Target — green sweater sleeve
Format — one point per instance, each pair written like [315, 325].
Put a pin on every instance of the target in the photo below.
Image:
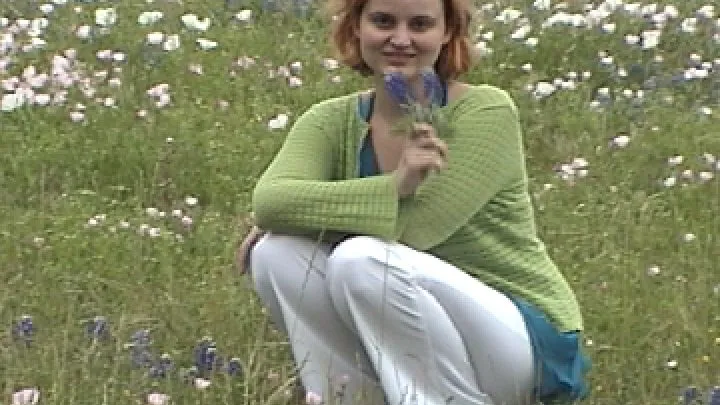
[485, 156]
[297, 191]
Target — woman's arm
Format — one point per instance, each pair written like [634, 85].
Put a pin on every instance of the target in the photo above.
[485, 157]
[297, 193]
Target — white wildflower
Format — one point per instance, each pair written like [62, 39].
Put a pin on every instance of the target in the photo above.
[77, 116]
[296, 67]
[172, 43]
[294, 81]
[105, 17]
[156, 398]
[201, 383]
[330, 64]
[47, 8]
[83, 32]
[669, 182]
[543, 90]
[11, 101]
[27, 396]
[206, 44]
[279, 122]
[705, 176]
[244, 16]
[149, 17]
[675, 160]
[653, 270]
[620, 141]
[192, 22]
[154, 38]
[191, 201]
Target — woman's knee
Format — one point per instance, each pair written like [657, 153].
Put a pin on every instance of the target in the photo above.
[271, 252]
[353, 265]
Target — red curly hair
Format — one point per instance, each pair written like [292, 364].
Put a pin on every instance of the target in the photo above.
[454, 59]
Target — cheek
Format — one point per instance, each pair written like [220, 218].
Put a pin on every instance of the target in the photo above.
[371, 38]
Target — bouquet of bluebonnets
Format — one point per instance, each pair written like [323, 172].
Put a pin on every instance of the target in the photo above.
[397, 86]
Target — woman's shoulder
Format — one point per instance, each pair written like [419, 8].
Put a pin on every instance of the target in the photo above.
[480, 95]
[335, 105]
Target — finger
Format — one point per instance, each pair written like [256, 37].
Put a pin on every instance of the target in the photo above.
[432, 144]
[422, 130]
[427, 159]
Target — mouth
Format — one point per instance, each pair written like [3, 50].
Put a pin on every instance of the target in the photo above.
[398, 58]
[398, 55]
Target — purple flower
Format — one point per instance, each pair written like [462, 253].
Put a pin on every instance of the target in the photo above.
[97, 328]
[433, 86]
[714, 396]
[141, 338]
[690, 394]
[140, 356]
[139, 345]
[397, 87]
[24, 329]
[162, 367]
[235, 367]
[206, 356]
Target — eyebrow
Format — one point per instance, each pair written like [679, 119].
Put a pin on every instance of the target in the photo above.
[385, 14]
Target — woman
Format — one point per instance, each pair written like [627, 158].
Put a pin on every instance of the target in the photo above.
[407, 269]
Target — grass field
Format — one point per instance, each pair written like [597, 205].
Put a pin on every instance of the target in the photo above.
[125, 172]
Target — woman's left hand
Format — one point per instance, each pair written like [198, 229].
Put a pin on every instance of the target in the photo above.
[242, 256]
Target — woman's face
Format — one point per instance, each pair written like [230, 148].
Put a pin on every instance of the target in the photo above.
[401, 35]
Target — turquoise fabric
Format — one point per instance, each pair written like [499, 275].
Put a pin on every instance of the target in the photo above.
[561, 365]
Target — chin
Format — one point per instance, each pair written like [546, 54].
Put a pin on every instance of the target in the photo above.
[409, 71]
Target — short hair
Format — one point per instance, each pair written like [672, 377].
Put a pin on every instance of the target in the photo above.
[455, 57]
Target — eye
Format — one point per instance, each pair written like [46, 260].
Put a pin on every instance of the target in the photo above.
[382, 20]
[421, 23]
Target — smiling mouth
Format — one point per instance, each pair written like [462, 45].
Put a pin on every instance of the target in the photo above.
[398, 55]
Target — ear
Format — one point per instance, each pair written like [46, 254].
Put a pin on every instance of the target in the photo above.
[447, 37]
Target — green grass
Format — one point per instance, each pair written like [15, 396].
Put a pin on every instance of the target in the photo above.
[604, 230]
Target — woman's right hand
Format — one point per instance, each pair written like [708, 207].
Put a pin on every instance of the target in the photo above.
[423, 153]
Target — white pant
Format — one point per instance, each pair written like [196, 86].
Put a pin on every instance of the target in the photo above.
[391, 324]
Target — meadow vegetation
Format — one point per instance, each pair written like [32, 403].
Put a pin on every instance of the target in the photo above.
[130, 143]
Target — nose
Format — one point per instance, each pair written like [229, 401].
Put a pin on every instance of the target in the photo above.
[400, 37]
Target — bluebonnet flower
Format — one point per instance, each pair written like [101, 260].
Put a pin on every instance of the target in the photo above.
[97, 328]
[206, 357]
[162, 367]
[24, 329]
[398, 88]
[235, 367]
[141, 338]
[139, 345]
[690, 395]
[714, 396]
[433, 86]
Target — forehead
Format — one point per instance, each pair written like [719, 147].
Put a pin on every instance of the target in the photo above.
[405, 7]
